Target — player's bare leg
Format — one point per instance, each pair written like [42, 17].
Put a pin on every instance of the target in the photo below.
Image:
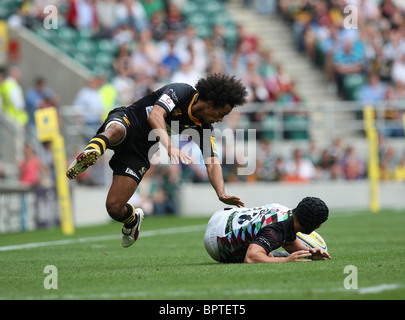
[95, 149]
[121, 190]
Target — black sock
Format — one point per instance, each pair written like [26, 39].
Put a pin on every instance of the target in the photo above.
[130, 219]
[99, 142]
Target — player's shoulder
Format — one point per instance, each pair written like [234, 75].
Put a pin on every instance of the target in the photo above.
[178, 88]
[276, 206]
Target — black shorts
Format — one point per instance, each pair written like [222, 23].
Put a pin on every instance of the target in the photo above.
[132, 155]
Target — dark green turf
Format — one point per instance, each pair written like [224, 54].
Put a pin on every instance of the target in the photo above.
[176, 266]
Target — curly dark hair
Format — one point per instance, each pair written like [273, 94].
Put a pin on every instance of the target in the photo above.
[221, 89]
[310, 213]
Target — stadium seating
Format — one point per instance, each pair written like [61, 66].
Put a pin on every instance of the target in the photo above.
[206, 14]
[8, 7]
[82, 46]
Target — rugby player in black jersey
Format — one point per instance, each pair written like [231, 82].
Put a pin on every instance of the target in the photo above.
[133, 131]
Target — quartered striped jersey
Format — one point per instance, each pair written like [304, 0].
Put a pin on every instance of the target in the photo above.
[242, 226]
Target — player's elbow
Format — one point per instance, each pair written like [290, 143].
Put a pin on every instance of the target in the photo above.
[156, 115]
[153, 118]
[253, 254]
[249, 259]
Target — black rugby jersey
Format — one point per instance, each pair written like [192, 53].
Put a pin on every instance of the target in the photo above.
[274, 235]
[176, 99]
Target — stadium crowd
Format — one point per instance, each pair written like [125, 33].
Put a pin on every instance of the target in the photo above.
[349, 38]
[156, 45]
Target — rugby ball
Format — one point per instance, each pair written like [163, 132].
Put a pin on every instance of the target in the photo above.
[312, 240]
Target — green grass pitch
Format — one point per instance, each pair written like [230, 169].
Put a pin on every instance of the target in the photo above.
[169, 262]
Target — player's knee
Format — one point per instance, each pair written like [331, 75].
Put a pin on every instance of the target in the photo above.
[116, 132]
[115, 210]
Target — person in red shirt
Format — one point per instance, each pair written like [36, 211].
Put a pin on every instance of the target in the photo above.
[30, 167]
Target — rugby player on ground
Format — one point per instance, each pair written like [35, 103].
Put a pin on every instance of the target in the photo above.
[251, 235]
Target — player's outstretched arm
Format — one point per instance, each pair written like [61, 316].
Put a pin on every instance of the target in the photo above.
[157, 122]
[214, 171]
[257, 254]
[293, 246]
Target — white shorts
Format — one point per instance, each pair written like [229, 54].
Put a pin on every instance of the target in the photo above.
[214, 228]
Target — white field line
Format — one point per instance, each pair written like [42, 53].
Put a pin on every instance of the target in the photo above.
[210, 293]
[149, 233]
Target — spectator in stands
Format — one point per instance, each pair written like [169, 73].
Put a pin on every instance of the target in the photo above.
[86, 15]
[122, 60]
[388, 164]
[193, 48]
[123, 82]
[368, 10]
[267, 67]
[278, 83]
[218, 40]
[13, 102]
[394, 45]
[30, 167]
[399, 91]
[82, 14]
[248, 44]
[108, 93]
[106, 21]
[166, 195]
[145, 57]
[373, 91]
[318, 28]
[398, 70]
[38, 97]
[353, 167]
[171, 60]
[279, 169]
[337, 150]
[89, 106]
[131, 12]
[124, 35]
[289, 96]
[393, 122]
[298, 168]
[236, 62]
[400, 170]
[387, 8]
[381, 65]
[175, 19]
[158, 25]
[254, 82]
[186, 74]
[328, 46]
[266, 159]
[327, 168]
[348, 60]
[19, 18]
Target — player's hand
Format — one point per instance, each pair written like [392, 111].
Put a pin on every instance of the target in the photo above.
[176, 155]
[319, 254]
[231, 200]
[300, 255]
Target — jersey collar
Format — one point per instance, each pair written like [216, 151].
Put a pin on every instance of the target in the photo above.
[194, 119]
